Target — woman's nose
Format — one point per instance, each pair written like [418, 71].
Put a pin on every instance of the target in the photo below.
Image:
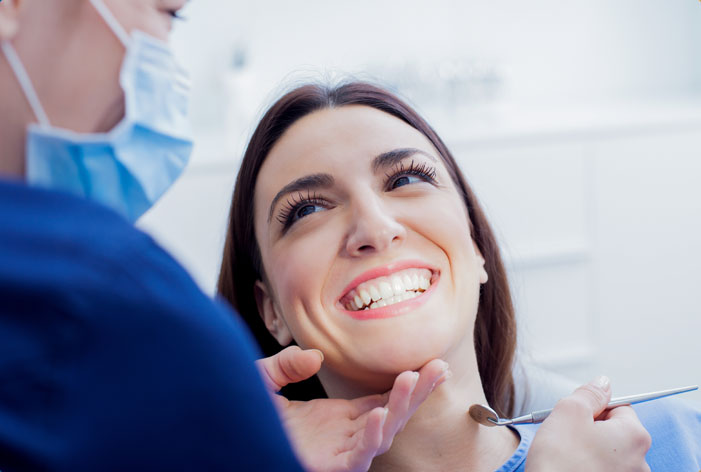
[373, 229]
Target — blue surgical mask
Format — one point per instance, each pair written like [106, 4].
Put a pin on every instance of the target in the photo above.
[131, 166]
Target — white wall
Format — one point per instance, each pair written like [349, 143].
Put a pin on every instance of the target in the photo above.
[584, 148]
[539, 52]
[600, 227]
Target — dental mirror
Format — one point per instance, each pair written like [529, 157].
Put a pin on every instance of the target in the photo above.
[485, 415]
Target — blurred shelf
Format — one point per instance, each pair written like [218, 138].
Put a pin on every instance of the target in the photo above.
[574, 357]
[513, 124]
[552, 255]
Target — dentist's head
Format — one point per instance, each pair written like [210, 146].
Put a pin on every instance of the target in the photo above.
[93, 101]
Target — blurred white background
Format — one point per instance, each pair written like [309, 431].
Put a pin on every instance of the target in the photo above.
[578, 124]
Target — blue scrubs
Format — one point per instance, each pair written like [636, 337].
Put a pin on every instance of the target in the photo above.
[111, 358]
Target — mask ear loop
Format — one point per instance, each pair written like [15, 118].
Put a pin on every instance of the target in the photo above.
[25, 82]
[111, 21]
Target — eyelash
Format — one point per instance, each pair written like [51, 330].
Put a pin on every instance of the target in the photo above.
[422, 170]
[296, 202]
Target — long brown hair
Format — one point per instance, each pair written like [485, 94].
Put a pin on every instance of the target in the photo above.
[495, 326]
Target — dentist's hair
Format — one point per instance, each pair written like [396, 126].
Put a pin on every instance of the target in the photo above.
[495, 325]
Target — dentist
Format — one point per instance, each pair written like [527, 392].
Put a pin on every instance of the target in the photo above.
[111, 358]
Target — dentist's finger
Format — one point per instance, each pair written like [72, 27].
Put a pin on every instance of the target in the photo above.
[431, 375]
[398, 407]
[620, 413]
[587, 402]
[362, 405]
[364, 446]
[627, 420]
[290, 365]
[632, 435]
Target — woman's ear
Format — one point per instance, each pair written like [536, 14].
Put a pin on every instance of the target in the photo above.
[9, 22]
[484, 276]
[269, 313]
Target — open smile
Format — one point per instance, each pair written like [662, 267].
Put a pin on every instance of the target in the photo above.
[388, 291]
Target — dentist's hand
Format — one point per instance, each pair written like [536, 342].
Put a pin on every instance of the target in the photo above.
[579, 435]
[332, 435]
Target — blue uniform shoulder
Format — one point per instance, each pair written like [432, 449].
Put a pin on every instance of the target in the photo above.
[52, 239]
[71, 253]
[111, 358]
[675, 427]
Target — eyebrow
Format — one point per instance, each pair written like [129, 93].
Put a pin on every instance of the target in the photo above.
[308, 182]
[317, 181]
[395, 156]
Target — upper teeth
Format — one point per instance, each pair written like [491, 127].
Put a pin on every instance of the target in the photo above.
[384, 291]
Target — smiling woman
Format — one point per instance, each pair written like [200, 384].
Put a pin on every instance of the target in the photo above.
[353, 231]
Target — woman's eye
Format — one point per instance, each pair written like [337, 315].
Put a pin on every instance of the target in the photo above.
[405, 180]
[414, 173]
[303, 206]
[307, 210]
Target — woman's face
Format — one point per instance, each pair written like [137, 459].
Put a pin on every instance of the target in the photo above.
[366, 246]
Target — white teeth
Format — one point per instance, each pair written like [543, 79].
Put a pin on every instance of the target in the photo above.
[407, 283]
[358, 302]
[380, 304]
[389, 290]
[414, 281]
[374, 294]
[365, 296]
[386, 290]
[397, 285]
[424, 283]
[395, 299]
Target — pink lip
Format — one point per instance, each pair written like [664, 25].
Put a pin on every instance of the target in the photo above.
[397, 308]
[383, 271]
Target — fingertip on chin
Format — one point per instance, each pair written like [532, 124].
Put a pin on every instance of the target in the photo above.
[318, 353]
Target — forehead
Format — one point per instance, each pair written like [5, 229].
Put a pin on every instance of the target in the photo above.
[336, 139]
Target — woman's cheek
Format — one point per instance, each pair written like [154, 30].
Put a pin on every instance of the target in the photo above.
[301, 266]
[446, 222]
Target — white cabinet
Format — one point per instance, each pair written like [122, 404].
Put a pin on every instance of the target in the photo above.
[537, 195]
[601, 231]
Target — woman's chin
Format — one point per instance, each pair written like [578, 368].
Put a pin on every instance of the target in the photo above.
[393, 360]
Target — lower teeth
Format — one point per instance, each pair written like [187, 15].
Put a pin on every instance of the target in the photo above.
[395, 299]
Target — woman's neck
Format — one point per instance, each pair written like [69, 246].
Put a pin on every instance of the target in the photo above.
[441, 436]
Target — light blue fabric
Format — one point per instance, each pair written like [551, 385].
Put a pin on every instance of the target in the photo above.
[673, 424]
[675, 427]
[517, 462]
